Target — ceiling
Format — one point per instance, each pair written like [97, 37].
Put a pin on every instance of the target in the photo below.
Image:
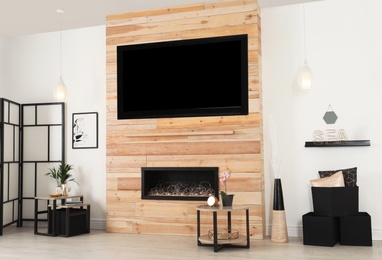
[21, 17]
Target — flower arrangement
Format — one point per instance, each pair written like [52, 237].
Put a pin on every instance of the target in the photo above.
[225, 175]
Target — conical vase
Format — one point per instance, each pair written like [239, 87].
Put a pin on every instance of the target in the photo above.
[279, 228]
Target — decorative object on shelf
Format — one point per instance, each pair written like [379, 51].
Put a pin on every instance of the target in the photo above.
[212, 201]
[85, 130]
[279, 229]
[333, 137]
[60, 91]
[330, 117]
[330, 135]
[62, 176]
[305, 76]
[225, 234]
[227, 199]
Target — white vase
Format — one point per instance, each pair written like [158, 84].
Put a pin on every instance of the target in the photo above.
[65, 189]
[58, 190]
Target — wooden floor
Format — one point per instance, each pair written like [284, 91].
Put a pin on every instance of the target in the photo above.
[21, 243]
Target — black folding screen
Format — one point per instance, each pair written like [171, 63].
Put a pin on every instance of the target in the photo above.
[9, 162]
[32, 139]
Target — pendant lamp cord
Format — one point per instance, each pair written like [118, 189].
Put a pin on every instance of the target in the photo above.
[60, 12]
[303, 9]
[60, 45]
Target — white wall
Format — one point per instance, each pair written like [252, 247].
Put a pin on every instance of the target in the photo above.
[343, 41]
[33, 70]
[2, 53]
[343, 48]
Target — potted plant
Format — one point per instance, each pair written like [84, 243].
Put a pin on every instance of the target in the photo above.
[226, 198]
[62, 176]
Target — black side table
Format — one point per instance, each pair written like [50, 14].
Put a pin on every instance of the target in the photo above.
[205, 240]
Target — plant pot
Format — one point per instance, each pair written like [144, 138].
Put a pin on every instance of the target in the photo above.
[227, 200]
[59, 190]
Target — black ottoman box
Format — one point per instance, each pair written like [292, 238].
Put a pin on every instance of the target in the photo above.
[335, 201]
[356, 230]
[320, 230]
[77, 222]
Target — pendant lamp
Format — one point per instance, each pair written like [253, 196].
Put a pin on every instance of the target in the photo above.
[305, 76]
[60, 91]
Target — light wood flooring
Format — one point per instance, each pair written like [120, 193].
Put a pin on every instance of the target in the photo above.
[21, 243]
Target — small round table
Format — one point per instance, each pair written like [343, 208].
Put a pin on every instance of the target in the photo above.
[204, 240]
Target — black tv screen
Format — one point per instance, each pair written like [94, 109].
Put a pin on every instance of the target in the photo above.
[183, 78]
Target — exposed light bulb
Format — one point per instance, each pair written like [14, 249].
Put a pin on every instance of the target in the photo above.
[60, 90]
[305, 77]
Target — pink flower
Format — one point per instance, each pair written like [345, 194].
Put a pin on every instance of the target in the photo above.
[225, 175]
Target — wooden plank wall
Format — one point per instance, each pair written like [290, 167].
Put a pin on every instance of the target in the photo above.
[233, 142]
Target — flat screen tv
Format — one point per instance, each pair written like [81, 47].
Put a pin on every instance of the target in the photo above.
[183, 78]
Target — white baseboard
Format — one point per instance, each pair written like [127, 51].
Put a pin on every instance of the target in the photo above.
[98, 224]
[297, 232]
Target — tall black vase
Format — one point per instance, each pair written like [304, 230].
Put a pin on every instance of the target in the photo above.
[279, 228]
[278, 200]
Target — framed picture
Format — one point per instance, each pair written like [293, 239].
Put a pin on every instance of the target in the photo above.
[85, 130]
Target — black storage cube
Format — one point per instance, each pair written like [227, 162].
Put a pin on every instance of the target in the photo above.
[77, 222]
[356, 230]
[335, 201]
[319, 230]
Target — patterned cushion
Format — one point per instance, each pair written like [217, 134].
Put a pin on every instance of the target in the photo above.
[350, 175]
[336, 180]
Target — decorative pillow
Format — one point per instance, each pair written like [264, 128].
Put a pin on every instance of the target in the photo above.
[350, 175]
[336, 180]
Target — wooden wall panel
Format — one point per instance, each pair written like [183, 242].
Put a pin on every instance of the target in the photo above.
[233, 142]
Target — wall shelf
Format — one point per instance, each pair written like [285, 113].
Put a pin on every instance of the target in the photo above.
[338, 143]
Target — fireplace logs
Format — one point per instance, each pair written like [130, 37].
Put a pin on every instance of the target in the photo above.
[179, 183]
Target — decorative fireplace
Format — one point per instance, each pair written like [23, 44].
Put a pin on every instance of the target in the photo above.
[179, 183]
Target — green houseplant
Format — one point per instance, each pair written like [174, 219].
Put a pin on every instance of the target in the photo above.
[64, 173]
[53, 172]
[62, 176]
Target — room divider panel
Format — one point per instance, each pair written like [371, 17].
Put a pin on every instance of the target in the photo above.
[43, 146]
[9, 163]
[32, 138]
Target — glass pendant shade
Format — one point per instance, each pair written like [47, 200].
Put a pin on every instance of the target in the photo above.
[60, 90]
[305, 77]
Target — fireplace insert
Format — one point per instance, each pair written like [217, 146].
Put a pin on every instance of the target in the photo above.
[179, 183]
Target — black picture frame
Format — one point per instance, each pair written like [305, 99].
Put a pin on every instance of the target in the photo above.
[85, 130]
